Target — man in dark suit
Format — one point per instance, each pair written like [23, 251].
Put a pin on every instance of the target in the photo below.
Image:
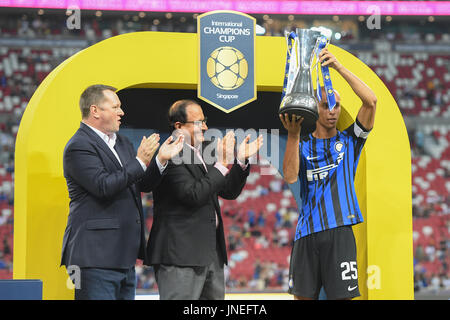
[187, 243]
[105, 228]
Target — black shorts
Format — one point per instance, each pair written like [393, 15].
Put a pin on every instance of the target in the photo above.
[328, 259]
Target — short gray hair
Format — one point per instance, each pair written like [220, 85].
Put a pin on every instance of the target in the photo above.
[92, 95]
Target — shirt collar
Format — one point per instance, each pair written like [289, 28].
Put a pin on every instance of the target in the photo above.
[109, 139]
[197, 149]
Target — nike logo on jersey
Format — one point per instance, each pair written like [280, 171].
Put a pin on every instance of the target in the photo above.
[351, 288]
[311, 158]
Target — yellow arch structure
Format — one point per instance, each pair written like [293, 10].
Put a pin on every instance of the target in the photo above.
[169, 60]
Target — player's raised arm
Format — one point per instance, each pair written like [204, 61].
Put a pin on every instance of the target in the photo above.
[366, 114]
[291, 162]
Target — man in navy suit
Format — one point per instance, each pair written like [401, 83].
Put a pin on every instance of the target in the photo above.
[105, 228]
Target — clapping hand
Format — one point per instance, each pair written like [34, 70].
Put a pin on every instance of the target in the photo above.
[225, 148]
[168, 150]
[246, 149]
[147, 148]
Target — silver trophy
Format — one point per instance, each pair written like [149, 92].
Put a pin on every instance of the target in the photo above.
[299, 97]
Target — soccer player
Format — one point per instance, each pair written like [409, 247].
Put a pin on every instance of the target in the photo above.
[324, 251]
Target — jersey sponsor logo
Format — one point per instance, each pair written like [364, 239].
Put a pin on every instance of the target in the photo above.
[322, 172]
[311, 158]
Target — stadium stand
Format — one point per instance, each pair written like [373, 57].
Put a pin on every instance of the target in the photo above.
[419, 81]
[261, 222]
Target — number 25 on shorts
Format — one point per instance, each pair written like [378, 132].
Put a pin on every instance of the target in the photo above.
[349, 270]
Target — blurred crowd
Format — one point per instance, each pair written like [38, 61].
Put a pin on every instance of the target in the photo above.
[435, 280]
[6, 195]
[96, 25]
[431, 216]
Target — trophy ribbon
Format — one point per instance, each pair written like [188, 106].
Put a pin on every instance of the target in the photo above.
[322, 43]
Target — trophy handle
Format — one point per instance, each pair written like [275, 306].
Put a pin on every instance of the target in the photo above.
[315, 55]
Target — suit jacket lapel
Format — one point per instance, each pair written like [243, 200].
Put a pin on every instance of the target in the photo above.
[100, 143]
[121, 152]
[202, 168]
[204, 171]
[198, 170]
[192, 162]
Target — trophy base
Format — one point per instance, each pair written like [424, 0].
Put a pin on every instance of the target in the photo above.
[309, 117]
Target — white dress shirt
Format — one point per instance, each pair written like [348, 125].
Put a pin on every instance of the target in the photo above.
[110, 141]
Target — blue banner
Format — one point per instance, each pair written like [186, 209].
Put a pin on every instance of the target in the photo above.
[227, 59]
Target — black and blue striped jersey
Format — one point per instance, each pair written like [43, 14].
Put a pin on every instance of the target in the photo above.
[327, 173]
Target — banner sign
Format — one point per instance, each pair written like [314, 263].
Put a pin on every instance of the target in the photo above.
[400, 8]
[227, 59]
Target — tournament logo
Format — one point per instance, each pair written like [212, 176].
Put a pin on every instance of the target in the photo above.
[227, 68]
[227, 59]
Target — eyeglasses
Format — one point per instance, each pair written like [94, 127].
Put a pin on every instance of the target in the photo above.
[198, 123]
